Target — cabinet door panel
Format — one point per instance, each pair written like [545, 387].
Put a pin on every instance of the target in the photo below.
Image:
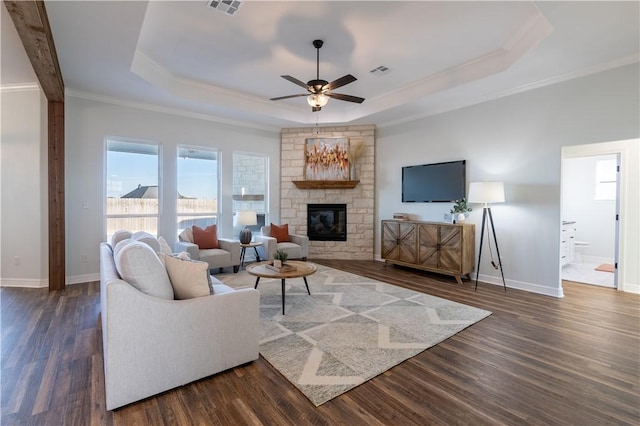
[399, 241]
[450, 248]
[428, 245]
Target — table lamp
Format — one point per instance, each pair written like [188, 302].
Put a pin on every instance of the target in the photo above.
[487, 193]
[246, 218]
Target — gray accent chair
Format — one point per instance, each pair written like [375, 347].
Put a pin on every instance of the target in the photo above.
[297, 248]
[227, 255]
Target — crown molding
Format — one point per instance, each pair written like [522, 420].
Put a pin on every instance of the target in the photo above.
[19, 87]
[617, 63]
[165, 110]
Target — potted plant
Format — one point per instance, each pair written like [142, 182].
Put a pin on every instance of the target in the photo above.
[280, 258]
[460, 210]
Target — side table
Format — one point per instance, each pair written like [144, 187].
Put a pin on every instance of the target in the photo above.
[243, 251]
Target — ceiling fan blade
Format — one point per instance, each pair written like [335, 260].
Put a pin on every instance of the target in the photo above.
[340, 82]
[289, 96]
[295, 81]
[347, 98]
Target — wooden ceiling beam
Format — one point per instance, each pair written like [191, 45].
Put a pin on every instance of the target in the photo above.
[32, 23]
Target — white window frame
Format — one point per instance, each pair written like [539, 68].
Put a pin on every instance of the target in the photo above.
[180, 151]
[106, 215]
[237, 188]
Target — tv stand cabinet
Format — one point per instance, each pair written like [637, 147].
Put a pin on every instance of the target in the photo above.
[431, 246]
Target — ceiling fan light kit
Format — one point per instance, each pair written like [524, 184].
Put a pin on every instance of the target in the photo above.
[321, 90]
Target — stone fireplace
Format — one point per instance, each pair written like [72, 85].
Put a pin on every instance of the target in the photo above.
[358, 242]
[327, 222]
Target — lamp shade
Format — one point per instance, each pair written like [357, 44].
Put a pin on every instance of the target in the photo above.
[486, 192]
[317, 100]
[246, 218]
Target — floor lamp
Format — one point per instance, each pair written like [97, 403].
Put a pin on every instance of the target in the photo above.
[487, 193]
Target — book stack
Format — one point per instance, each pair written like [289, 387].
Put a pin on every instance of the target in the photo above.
[283, 268]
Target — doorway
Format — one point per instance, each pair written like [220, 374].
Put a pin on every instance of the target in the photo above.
[590, 208]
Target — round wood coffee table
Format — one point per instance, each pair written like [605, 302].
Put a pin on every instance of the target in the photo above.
[302, 269]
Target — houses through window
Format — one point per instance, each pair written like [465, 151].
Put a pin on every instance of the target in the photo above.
[198, 187]
[132, 195]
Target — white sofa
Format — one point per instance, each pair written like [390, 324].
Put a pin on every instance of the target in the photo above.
[151, 344]
[296, 248]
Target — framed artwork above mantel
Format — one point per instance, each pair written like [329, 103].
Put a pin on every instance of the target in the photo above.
[326, 159]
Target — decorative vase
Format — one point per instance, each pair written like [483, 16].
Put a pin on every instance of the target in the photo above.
[277, 263]
[245, 236]
[461, 217]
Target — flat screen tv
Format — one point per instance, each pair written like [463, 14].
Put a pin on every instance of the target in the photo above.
[434, 183]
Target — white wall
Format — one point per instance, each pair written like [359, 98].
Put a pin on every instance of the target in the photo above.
[89, 122]
[518, 140]
[595, 219]
[23, 184]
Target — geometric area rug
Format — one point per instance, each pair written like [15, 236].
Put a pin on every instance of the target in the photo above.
[349, 330]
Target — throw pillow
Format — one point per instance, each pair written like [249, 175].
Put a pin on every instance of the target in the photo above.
[148, 239]
[119, 236]
[139, 265]
[186, 236]
[205, 238]
[280, 233]
[189, 278]
[164, 246]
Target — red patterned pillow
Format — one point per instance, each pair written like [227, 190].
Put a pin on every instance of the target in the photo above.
[280, 233]
[205, 238]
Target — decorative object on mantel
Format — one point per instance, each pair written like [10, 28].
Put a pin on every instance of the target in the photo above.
[487, 193]
[460, 210]
[356, 149]
[246, 218]
[326, 159]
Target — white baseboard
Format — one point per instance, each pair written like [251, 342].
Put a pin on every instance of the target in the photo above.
[520, 285]
[24, 283]
[79, 279]
[44, 283]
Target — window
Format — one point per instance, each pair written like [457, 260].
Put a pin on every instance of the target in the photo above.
[605, 180]
[250, 183]
[132, 176]
[198, 187]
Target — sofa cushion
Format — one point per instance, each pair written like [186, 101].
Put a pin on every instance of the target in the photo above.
[148, 239]
[205, 238]
[280, 233]
[139, 265]
[189, 278]
[118, 236]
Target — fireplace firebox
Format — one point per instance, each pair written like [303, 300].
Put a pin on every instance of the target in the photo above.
[327, 222]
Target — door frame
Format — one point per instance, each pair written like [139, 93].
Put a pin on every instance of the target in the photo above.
[624, 149]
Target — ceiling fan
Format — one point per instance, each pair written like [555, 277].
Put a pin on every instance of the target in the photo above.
[321, 90]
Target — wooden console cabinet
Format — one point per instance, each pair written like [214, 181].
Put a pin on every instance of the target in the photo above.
[432, 246]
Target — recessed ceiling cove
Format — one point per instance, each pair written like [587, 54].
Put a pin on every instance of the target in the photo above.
[236, 62]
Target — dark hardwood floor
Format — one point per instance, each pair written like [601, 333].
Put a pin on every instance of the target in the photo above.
[537, 360]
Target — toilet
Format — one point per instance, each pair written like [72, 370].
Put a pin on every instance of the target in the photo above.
[579, 246]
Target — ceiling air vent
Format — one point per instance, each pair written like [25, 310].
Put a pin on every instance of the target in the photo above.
[381, 70]
[228, 7]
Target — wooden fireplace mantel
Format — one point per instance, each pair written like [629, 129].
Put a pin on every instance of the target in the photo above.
[326, 184]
